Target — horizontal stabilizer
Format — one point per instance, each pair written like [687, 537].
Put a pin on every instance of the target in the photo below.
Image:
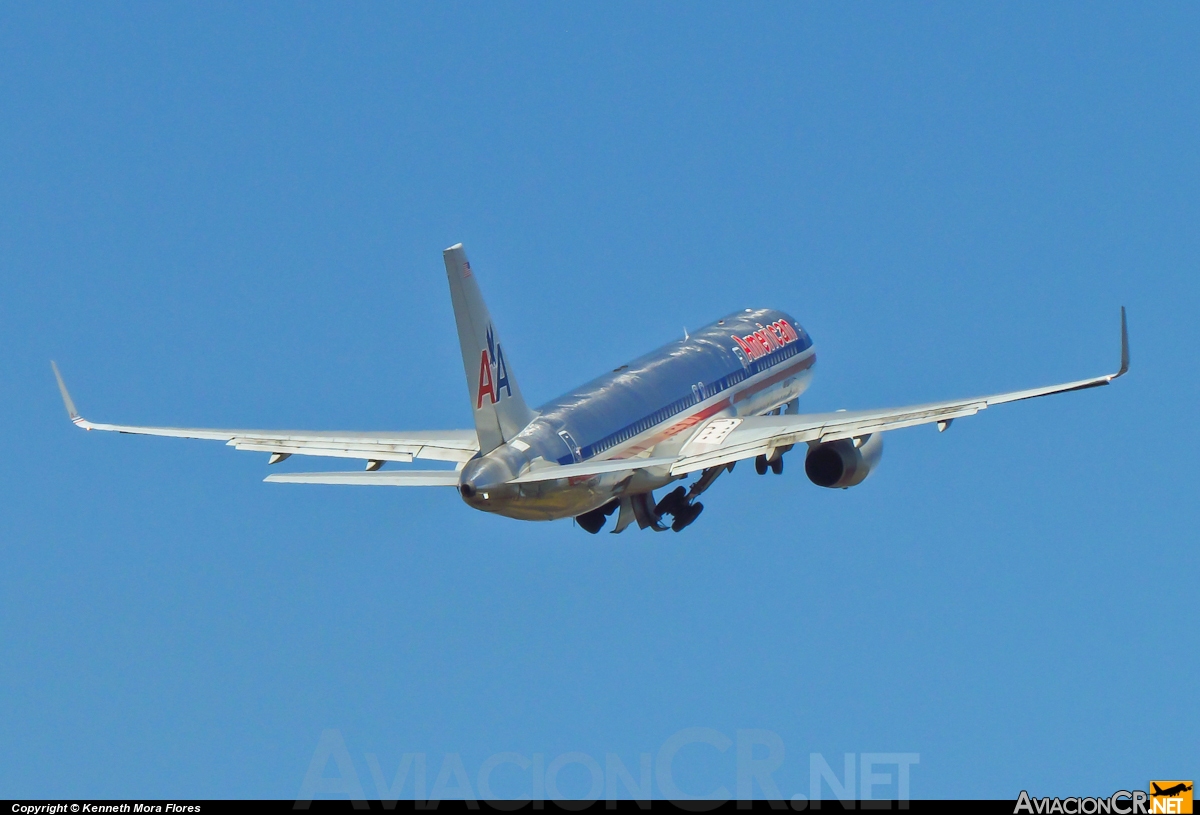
[380, 478]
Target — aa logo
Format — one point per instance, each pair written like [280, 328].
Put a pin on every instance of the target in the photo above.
[493, 373]
[1171, 796]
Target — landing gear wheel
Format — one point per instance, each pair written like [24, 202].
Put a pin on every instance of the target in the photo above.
[760, 465]
[671, 502]
[686, 516]
[777, 465]
[592, 522]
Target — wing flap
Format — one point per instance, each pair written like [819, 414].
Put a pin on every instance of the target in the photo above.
[350, 447]
[834, 431]
[377, 452]
[449, 445]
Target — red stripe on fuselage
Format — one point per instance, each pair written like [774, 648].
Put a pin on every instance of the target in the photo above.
[712, 410]
[802, 365]
[680, 426]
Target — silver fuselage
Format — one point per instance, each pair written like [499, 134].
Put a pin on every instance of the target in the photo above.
[651, 406]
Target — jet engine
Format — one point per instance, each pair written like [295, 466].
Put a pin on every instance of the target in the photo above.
[843, 463]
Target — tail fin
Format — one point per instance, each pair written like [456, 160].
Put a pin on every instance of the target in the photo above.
[500, 412]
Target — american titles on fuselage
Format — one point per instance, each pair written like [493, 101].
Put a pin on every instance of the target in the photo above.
[758, 344]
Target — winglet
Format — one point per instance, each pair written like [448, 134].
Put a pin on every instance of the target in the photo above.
[66, 396]
[1124, 346]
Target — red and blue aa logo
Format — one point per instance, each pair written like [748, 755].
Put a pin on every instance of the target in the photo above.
[493, 374]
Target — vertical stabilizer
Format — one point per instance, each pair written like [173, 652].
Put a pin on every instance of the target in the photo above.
[500, 411]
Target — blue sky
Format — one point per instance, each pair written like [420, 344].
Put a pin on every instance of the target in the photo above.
[232, 215]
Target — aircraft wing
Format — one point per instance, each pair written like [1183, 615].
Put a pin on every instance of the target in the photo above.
[721, 441]
[440, 445]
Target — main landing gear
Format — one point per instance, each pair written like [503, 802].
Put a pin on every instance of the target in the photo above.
[679, 503]
[641, 509]
[676, 503]
[774, 461]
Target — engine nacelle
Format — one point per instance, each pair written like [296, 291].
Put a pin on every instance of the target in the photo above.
[843, 463]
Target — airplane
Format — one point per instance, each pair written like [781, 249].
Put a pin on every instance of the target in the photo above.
[726, 392]
[1169, 792]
